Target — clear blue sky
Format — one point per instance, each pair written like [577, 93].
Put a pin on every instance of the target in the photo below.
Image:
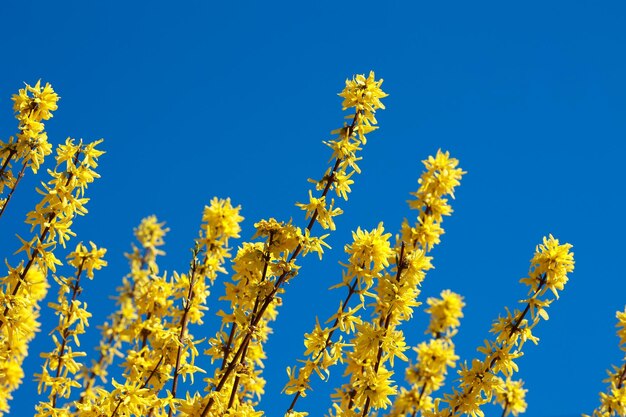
[203, 99]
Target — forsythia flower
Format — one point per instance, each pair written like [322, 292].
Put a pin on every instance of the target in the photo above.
[511, 396]
[369, 254]
[19, 327]
[442, 175]
[36, 102]
[445, 312]
[63, 198]
[364, 95]
[32, 105]
[549, 266]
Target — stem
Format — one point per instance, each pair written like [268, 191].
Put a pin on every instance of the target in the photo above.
[145, 333]
[66, 330]
[233, 392]
[504, 410]
[17, 181]
[419, 399]
[620, 382]
[183, 329]
[228, 348]
[91, 378]
[12, 153]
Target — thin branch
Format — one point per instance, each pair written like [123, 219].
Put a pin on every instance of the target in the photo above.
[183, 329]
[400, 265]
[12, 153]
[66, 330]
[17, 181]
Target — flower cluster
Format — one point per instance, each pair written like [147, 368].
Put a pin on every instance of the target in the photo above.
[362, 94]
[434, 357]
[396, 273]
[613, 401]
[162, 349]
[24, 286]
[445, 314]
[19, 323]
[368, 255]
[381, 340]
[256, 267]
[511, 396]
[442, 175]
[58, 372]
[32, 105]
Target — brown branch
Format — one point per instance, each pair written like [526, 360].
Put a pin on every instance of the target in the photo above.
[183, 329]
[12, 153]
[622, 376]
[29, 264]
[66, 330]
[17, 181]
[228, 347]
[400, 264]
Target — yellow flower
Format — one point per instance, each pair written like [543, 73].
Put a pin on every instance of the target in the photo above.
[221, 219]
[550, 266]
[511, 396]
[86, 259]
[445, 312]
[36, 101]
[369, 253]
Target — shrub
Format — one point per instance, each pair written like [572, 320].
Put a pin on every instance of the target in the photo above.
[151, 329]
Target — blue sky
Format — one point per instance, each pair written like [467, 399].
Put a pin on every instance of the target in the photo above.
[203, 99]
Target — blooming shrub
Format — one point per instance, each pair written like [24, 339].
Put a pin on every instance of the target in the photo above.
[151, 329]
